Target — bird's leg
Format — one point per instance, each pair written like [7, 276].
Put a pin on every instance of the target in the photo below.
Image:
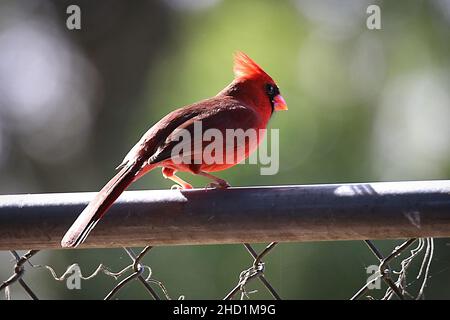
[180, 182]
[170, 174]
[217, 182]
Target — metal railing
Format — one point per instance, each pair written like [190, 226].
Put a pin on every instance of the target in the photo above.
[382, 210]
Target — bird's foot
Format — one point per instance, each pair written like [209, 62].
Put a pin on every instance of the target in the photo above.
[218, 184]
[179, 187]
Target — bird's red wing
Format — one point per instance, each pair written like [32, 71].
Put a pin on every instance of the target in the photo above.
[232, 116]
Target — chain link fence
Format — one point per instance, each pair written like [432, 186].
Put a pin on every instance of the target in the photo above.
[397, 279]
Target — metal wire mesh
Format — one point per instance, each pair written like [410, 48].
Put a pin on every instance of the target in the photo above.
[394, 278]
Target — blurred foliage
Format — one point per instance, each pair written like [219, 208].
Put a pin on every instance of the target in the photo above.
[364, 105]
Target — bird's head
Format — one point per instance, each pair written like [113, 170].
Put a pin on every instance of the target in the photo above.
[256, 84]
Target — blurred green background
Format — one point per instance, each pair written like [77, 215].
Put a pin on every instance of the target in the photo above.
[364, 105]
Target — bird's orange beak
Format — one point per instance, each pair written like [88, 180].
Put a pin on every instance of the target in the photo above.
[279, 103]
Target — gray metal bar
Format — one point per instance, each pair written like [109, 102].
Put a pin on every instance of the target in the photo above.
[238, 215]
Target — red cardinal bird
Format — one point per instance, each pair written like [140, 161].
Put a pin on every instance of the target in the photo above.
[246, 103]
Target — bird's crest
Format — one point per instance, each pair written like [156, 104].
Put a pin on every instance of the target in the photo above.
[245, 67]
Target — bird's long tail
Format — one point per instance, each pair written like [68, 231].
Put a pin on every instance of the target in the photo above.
[87, 220]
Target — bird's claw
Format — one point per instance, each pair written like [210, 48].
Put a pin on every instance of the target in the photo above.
[221, 184]
[180, 187]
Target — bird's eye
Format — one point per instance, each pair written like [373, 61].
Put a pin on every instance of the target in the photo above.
[270, 89]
